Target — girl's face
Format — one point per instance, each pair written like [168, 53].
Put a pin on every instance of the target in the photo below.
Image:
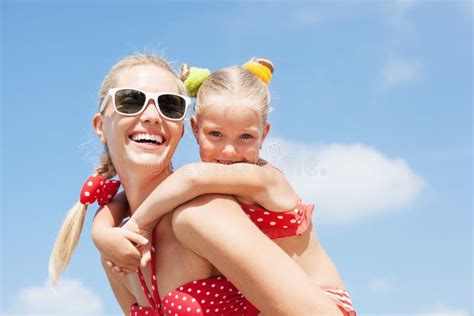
[146, 140]
[228, 131]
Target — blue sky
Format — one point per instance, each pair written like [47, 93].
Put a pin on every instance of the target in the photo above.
[372, 121]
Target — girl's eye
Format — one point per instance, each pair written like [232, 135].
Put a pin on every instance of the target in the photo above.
[215, 133]
[246, 136]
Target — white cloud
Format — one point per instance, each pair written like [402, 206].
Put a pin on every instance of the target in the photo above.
[69, 297]
[380, 285]
[397, 71]
[440, 309]
[346, 181]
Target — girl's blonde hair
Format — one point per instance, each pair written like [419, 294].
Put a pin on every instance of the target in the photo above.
[70, 231]
[237, 81]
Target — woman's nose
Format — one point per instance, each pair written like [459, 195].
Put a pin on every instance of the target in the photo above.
[151, 114]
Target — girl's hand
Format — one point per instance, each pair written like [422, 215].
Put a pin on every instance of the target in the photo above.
[146, 233]
[118, 247]
[115, 268]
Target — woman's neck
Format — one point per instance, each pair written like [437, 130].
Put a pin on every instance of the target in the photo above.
[138, 186]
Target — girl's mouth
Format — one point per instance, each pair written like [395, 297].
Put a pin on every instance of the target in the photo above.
[227, 162]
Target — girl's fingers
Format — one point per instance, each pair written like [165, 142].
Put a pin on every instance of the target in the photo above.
[125, 270]
[131, 268]
[145, 258]
[136, 238]
[133, 264]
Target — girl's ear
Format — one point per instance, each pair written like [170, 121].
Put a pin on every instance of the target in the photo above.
[266, 129]
[194, 126]
[98, 124]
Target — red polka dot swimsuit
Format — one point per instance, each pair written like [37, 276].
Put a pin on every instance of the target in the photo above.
[280, 224]
[211, 296]
[217, 295]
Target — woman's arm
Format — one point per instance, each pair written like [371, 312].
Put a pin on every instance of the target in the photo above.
[262, 184]
[215, 228]
[121, 293]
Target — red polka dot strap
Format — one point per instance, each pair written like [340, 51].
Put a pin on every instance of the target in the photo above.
[155, 300]
[97, 189]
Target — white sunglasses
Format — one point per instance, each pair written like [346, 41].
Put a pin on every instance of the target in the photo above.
[131, 102]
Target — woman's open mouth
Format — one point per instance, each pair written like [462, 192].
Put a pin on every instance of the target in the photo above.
[149, 139]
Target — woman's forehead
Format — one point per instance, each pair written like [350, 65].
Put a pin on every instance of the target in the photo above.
[147, 77]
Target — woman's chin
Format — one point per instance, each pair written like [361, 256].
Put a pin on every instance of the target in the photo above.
[152, 162]
[144, 158]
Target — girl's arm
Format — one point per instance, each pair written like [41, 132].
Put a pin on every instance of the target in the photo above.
[263, 185]
[112, 214]
[115, 243]
[214, 227]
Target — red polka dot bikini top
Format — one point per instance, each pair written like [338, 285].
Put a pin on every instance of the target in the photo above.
[217, 295]
[281, 224]
[212, 296]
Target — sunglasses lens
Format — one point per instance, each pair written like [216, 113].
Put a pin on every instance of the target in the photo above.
[129, 101]
[172, 106]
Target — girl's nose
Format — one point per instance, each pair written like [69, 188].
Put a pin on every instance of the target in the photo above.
[229, 149]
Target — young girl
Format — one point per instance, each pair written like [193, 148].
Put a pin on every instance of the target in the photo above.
[230, 125]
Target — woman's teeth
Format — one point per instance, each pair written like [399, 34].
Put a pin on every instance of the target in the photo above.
[147, 138]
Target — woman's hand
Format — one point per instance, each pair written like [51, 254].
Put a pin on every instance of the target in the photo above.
[144, 232]
[119, 249]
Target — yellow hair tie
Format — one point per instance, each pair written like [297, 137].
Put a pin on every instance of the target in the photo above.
[195, 78]
[261, 71]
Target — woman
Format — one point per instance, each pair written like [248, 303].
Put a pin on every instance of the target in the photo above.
[193, 243]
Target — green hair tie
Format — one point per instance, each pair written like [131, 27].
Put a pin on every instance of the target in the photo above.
[195, 78]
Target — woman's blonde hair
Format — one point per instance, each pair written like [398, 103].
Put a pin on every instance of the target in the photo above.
[237, 81]
[70, 231]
